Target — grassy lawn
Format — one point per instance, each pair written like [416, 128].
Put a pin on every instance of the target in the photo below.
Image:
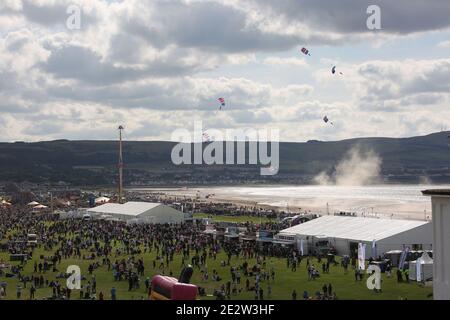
[285, 280]
[238, 219]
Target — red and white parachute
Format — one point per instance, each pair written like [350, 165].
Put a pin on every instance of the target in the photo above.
[205, 137]
[222, 103]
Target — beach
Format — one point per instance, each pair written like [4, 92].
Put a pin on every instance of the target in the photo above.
[386, 201]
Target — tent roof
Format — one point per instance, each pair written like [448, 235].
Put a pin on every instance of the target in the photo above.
[130, 208]
[353, 228]
[101, 199]
[425, 258]
[40, 206]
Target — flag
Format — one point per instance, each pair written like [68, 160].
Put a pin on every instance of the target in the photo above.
[374, 249]
[419, 270]
[403, 257]
[362, 256]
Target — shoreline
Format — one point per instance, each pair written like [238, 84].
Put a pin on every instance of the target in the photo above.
[404, 202]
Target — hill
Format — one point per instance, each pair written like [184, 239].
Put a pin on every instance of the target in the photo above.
[408, 160]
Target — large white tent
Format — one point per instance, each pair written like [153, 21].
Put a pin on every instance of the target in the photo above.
[145, 212]
[344, 233]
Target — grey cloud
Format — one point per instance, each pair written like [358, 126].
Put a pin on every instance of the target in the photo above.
[79, 63]
[83, 64]
[423, 99]
[43, 128]
[435, 79]
[54, 14]
[389, 86]
[205, 25]
[349, 16]
[245, 116]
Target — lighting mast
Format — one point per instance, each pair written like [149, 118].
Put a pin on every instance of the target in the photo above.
[120, 165]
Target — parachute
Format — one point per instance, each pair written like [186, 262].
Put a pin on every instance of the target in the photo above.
[333, 70]
[206, 137]
[326, 120]
[305, 51]
[222, 103]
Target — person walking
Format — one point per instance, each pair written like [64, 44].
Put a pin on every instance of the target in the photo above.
[325, 289]
[32, 291]
[19, 291]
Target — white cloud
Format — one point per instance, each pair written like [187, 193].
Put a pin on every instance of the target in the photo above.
[154, 72]
[285, 61]
[444, 44]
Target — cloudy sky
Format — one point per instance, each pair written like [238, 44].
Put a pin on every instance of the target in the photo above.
[156, 66]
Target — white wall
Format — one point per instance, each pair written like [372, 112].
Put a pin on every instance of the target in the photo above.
[162, 214]
[441, 247]
[420, 235]
[342, 246]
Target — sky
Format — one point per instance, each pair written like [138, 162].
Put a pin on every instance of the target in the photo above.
[158, 66]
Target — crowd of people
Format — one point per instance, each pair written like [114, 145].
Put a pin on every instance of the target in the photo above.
[119, 249]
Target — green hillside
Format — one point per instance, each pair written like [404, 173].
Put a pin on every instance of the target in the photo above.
[95, 162]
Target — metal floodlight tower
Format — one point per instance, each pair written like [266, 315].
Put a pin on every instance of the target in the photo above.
[120, 165]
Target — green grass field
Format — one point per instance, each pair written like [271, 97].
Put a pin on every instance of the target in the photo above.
[285, 280]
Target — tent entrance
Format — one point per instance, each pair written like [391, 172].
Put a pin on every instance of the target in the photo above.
[353, 246]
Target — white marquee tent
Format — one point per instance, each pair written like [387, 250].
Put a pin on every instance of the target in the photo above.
[344, 233]
[138, 212]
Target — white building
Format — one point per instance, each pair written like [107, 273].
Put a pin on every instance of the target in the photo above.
[139, 212]
[344, 233]
[440, 201]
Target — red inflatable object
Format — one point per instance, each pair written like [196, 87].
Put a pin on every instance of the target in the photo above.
[168, 288]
